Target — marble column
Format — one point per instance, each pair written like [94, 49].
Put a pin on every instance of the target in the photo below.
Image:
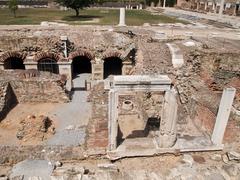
[168, 133]
[122, 17]
[164, 3]
[112, 117]
[223, 115]
[221, 8]
[205, 6]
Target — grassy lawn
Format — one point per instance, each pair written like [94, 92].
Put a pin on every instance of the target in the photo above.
[87, 16]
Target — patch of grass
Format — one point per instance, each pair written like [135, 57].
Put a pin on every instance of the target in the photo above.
[87, 16]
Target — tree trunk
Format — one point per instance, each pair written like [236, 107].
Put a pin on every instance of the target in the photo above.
[77, 12]
[14, 13]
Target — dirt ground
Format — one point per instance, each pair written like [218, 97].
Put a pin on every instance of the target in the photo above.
[10, 125]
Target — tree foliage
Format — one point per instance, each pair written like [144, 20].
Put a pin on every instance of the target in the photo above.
[77, 4]
[13, 6]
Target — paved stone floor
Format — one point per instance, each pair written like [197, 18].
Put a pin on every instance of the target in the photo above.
[72, 118]
[32, 168]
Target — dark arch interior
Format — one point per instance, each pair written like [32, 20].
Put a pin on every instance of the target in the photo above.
[14, 63]
[81, 64]
[112, 66]
[49, 65]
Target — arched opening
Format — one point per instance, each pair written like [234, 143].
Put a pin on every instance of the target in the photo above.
[112, 66]
[14, 63]
[49, 65]
[81, 65]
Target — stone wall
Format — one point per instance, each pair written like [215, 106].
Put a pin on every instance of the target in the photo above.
[35, 87]
[7, 99]
[98, 125]
[38, 91]
[15, 154]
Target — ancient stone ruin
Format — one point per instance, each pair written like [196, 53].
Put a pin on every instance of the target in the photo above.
[70, 93]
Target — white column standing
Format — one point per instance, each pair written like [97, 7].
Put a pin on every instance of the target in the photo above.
[113, 119]
[164, 3]
[122, 17]
[223, 115]
[221, 8]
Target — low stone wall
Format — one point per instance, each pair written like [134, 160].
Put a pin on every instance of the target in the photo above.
[14, 154]
[38, 91]
[29, 86]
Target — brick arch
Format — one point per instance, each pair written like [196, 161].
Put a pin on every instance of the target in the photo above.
[43, 55]
[81, 52]
[12, 54]
[113, 54]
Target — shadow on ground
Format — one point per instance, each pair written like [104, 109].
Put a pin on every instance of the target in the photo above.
[80, 18]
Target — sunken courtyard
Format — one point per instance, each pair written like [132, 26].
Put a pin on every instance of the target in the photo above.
[92, 93]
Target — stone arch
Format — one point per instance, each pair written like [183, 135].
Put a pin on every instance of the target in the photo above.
[47, 61]
[112, 54]
[81, 62]
[81, 52]
[112, 64]
[13, 60]
[46, 55]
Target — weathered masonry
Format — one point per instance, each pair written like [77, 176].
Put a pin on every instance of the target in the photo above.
[110, 61]
[143, 118]
[125, 85]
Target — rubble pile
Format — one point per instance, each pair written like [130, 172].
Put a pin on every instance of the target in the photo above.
[35, 128]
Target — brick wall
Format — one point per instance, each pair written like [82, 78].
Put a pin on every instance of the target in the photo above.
[98, 125]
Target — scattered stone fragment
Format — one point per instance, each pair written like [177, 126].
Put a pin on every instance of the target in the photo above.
[216, 157]
[232, 155]
[188, 159]
[225, 159]
[108, 166]
[58, 164]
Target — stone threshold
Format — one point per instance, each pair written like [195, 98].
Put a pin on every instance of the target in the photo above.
[183, 145]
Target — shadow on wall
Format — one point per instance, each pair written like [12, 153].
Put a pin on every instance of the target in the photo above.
[152, 125]
[8, 101]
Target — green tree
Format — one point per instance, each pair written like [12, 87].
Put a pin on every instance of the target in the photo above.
[77, 4]
[13, 6]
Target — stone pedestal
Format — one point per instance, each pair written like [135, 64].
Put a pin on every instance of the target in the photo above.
[122, 17]
[1, 66]
[65, 68]
[223, 115]
[126, 68]
[97, 71]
